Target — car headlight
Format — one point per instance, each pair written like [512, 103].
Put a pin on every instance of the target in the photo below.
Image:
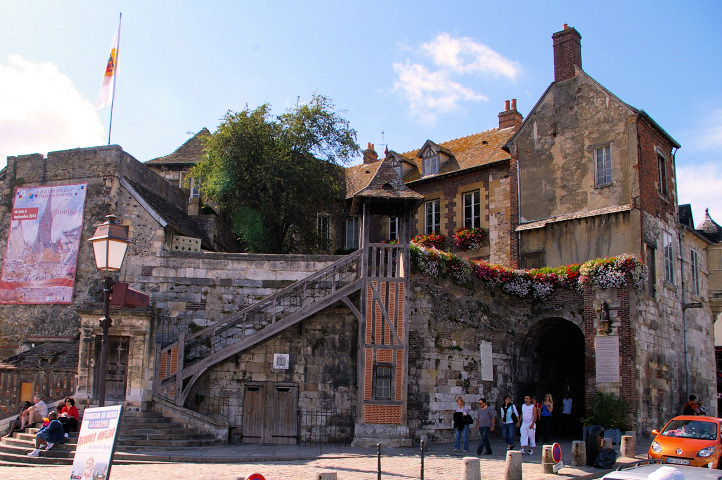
[705, 452]
[656, 448]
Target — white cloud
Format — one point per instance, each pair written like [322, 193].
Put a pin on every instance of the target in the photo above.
[699, 185]
[438, 88]
[41, 110]
[430, 93]
[464, 55]
[710, 136]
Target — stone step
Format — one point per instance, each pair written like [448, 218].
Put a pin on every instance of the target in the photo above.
[17, 442]
[132, 445]
[126, 437]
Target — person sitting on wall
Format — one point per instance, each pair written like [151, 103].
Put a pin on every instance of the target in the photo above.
[49, 435]
[16, 424]
[34, 414]
[69, 416]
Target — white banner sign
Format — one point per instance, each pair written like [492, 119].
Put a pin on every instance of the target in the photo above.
[96, 443]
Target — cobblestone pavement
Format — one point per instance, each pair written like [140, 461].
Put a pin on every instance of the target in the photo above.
[398, 464]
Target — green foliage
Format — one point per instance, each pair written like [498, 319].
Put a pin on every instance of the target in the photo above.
[608, 410]
[285, 169]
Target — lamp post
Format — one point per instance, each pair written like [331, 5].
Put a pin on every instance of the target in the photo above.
[110, 242]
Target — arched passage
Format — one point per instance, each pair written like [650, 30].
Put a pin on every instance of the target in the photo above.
[551, 360]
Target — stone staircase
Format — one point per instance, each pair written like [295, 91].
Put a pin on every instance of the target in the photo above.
[140, 435]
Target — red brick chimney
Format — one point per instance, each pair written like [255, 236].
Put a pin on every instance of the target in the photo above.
[567, 53]
[510, 117]
[370, 155]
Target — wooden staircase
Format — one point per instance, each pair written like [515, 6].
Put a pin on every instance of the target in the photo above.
[139, 432]
[183, 362]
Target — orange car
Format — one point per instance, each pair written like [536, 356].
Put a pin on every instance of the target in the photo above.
[689, 440]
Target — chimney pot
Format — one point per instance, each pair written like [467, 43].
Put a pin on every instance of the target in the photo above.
[513, 103]
[565, 26]
[510, 118]
[370, 155]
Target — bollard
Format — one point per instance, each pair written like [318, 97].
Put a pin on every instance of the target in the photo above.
[327, 476]
[627, 447]
[471, 469]
[378, 453]
[513, 465]
[579, 453]
[607, 444]
[547, 459]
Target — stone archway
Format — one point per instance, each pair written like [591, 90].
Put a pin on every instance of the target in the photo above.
[552, 360]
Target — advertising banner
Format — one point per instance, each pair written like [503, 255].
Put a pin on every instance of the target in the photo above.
[41, 255]
[96, 443]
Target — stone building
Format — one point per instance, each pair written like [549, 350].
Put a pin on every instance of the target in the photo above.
[288, 348]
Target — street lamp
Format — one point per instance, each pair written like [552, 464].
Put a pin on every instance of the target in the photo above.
[110, 243]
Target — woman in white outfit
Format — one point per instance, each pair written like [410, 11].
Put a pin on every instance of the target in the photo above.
[527, 423]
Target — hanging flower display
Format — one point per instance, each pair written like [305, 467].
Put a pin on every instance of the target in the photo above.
[432, 240]
[471, 238]
[538, 283]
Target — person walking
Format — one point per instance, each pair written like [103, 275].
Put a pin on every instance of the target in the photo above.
[567, 413]
[486, 417]
[547, 407]
[461, 416]
[527, 426]
[509, 416]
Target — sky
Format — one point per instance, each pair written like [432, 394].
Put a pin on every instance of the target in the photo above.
[401, 72]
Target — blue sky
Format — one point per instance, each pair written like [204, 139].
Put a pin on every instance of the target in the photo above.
[403, 71]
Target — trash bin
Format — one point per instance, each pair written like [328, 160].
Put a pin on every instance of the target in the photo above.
[593, 441]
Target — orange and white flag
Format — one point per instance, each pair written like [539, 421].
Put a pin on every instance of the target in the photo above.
[105, 96]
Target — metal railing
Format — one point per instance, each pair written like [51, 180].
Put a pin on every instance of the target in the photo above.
[326, 427]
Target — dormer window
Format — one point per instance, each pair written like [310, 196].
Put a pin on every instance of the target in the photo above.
[430, 163]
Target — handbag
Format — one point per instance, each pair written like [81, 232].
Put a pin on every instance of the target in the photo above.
[468, 420]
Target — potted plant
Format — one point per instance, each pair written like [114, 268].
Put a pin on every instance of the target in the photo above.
[609, 411]
[432, 240]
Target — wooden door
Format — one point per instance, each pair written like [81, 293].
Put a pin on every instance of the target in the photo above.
[270, 413]
[26, 392]
[116, 375]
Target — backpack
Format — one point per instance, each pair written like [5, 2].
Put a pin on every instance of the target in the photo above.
[687, 409]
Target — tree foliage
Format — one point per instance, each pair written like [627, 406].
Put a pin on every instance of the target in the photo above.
[279, 171]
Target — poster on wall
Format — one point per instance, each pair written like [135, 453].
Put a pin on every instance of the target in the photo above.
[41, 254]
[96, 443]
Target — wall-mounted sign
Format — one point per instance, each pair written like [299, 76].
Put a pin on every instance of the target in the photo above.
[280, 361]
[607, 358]
[486, 364]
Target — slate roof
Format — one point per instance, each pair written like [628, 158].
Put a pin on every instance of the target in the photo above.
[573, 216]
[189, 153]
[175, 218]
[709, 228]
[474, 150]
[55, 356]
[466, 152]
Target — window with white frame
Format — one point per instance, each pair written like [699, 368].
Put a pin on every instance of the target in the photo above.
[382, 384]
[352, 233]
[433, 216]
[430, 163]
[694, 272]
[668, 257]
[662, 174]
[323, 226]
[603, 166]
[393, 228]
[472, 218]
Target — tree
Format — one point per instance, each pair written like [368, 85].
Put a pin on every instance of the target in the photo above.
[274, 174]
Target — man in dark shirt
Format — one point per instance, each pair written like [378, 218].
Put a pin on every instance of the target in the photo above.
[486, 419]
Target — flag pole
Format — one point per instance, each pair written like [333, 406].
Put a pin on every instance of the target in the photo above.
[115, 78]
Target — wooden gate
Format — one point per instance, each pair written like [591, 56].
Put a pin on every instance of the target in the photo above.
[270, 413]
[116, 376]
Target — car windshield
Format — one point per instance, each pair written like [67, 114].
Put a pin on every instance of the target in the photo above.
[691, 429]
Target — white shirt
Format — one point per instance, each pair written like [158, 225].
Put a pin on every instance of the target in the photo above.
[527, 414]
